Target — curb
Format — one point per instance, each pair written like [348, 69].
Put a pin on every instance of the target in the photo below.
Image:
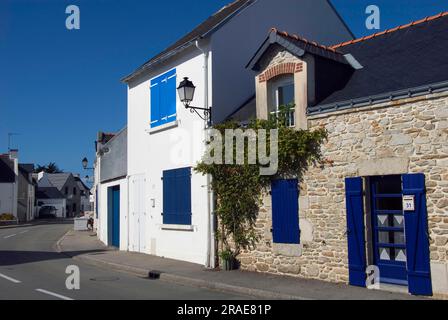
[188, 281]
[114, 266]
[57, 246]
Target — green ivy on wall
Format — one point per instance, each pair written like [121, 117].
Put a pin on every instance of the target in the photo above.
[239, 188]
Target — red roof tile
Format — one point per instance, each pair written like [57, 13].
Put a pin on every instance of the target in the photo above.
[411, 24]
[306, 41]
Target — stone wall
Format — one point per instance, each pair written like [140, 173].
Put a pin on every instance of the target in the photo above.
[406, 136]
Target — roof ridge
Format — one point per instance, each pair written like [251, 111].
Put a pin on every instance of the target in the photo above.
[401, 27]
[306, 41]
[225, 7]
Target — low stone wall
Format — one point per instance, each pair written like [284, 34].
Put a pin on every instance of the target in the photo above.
[407, 136]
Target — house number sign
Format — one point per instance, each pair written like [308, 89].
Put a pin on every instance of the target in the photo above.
[409, 203]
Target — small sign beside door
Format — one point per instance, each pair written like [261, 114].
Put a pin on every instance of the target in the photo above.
[408, 203]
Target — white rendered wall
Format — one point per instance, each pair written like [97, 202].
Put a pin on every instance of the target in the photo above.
[7, 198]
[103, 212]
[150, 153]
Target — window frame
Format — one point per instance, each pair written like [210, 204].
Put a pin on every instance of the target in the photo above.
[277, 83]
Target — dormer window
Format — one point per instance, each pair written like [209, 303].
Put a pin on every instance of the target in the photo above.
[282, 94]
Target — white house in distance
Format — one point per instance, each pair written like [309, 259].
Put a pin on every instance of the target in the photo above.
[170, 206]
[9, 170]
[17, 187]
[51, 197]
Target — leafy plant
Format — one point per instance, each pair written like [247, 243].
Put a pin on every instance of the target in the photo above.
[226, 255]
[239, 188]
[49, 168]
[6, 217]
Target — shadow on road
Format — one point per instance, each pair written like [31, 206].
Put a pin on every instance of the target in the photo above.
[10, 258]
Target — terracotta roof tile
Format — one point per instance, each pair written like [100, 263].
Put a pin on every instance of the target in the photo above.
[411, 24]
[306, 41]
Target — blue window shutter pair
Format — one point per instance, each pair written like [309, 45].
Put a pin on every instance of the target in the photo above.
[416, 229]
[163, 99]
[177, 197]
[285, 211]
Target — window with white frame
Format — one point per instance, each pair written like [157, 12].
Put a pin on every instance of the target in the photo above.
[282, 94]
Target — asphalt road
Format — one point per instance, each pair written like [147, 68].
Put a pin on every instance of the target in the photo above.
[30, 268]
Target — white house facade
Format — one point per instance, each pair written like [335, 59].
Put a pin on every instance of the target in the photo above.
[170, 206]
[8, 184]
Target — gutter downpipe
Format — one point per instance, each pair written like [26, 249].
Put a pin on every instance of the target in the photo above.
[210, 261]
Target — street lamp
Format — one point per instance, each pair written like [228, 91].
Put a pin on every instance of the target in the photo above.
[85, 163]
[186, 91]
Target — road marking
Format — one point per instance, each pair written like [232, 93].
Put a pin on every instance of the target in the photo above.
[54, 294]
[24, 231]
[9, 278]
[10, 236]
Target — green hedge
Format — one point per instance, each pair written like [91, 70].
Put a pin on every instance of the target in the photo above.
[7, 217]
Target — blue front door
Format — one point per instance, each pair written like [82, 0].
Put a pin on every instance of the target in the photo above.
[114, 216]
[388, 229]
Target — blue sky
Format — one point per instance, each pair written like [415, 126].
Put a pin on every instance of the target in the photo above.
[59, 87]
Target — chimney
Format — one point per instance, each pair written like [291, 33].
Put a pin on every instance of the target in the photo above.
[14, 154]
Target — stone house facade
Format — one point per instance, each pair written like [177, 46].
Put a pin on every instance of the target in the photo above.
[381, 199]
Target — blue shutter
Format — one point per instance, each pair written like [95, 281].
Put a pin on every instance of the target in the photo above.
[110, 216]
[184, 187]
[285, 211]
[163, 99]
[417, 238]
[356, 232]
[96, 202]
[171, 96]
[168, 203]
[155, 103]
[177, 196]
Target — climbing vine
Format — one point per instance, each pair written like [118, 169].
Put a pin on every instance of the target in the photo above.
[239, 188]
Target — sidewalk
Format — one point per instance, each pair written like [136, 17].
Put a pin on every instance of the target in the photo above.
[86, 247]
